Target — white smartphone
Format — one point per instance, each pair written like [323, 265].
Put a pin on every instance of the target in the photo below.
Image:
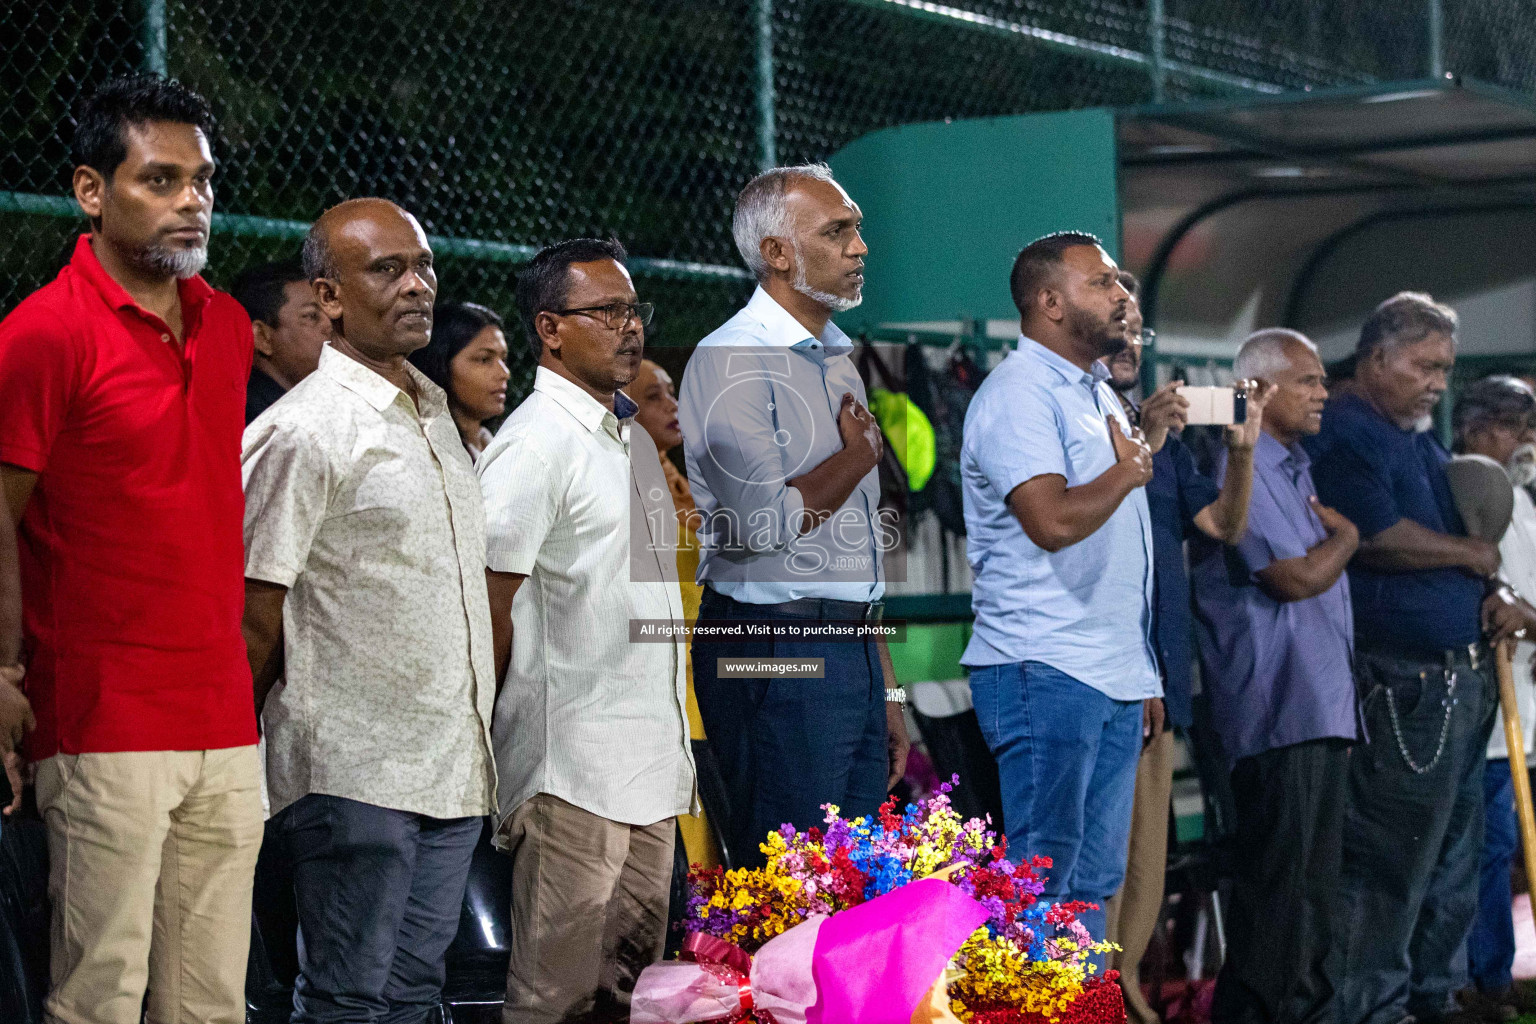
[1217, 405]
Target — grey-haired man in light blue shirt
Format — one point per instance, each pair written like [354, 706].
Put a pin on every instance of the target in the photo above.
[781, 455]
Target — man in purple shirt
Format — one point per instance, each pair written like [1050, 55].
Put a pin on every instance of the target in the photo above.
[1276, 636]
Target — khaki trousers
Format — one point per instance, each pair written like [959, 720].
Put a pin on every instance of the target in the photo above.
[1132, 914]
[151, 855]
[589, 910]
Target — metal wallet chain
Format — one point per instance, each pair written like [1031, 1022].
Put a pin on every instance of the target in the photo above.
[1445, 727]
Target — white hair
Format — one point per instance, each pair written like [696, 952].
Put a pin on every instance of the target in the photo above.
[1263, 354]
[761, 213]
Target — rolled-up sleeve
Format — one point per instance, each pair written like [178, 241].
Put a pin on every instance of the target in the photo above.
[522, 492]
[730, 419]
[288, 481]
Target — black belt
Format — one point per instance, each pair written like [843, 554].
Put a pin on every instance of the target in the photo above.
[816, 608]
[1474, 655]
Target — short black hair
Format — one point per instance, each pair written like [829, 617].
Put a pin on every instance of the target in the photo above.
[1342, 369]
[260, 288]
[454, 325]
[1038, 260]
[542, 285]
[101, 123]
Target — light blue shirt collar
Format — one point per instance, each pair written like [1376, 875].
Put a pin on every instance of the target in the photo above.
[1069, 371]
[781, 328]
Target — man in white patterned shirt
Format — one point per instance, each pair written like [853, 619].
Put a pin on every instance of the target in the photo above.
[591, 732]
[369, 632]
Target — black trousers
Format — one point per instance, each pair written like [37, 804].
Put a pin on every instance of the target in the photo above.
[787, 746]
[1290, 806]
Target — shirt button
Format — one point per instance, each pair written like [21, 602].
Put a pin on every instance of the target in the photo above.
[165, 337]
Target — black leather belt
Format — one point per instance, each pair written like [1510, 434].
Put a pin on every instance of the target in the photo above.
[1476, 655]
[816, 608]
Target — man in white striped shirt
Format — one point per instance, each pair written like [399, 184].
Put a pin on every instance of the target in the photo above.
[590, 730]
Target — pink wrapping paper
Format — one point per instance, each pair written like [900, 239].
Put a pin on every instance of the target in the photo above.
[872, 964]
[875, 962]
[679, 992]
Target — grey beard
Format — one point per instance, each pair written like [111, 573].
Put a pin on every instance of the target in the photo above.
[1522, 466]
[836, 303]
[180, 263]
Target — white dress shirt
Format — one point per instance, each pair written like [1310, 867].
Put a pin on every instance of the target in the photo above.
[367, 510]
[585, 714]
[1518, 551]
[758, 407]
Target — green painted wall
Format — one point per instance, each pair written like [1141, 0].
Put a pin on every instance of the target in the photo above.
[947, 206]
[931, 653]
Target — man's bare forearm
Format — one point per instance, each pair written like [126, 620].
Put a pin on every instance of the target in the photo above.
[1226, 518]
[824, 489]
[500, 589]
[10, 592]
[16, 486]
[1406, 546]
[1056, 516]
[262, 627]
[1296, 579]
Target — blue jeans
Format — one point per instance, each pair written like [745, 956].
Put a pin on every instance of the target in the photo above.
[1491, 946]
[379, 894]
[1408, 892]
[1066, 759]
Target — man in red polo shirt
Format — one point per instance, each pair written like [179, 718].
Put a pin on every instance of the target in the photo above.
[123, 389]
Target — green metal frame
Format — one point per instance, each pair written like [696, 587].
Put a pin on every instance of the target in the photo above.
[153, 35]
[443, 245]
[154, 43]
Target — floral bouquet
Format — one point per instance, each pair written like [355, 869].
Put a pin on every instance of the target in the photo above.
[1026, 962]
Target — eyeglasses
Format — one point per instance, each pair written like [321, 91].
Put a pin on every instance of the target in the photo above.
[615, 314]
[1148, 337]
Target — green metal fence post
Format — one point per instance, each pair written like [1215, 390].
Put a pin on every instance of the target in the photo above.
[767, 144]
[1436, 34]
[152, 36]
[1155, 31]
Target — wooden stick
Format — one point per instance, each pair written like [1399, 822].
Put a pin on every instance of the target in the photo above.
[1514, 739]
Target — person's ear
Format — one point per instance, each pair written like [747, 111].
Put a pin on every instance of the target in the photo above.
[548, 327]
[1048, 301]
[263, 335]
[328, 295]
[90, 191]
[776, 254]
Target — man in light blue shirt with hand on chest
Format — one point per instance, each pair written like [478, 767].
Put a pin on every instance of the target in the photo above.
[1059, 539]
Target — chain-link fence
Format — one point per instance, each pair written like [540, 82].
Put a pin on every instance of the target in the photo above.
[507, 125]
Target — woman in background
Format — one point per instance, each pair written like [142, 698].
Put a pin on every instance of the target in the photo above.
[467, 357]
[653, 392]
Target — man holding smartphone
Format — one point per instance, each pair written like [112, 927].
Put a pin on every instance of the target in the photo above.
[1184, 504]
